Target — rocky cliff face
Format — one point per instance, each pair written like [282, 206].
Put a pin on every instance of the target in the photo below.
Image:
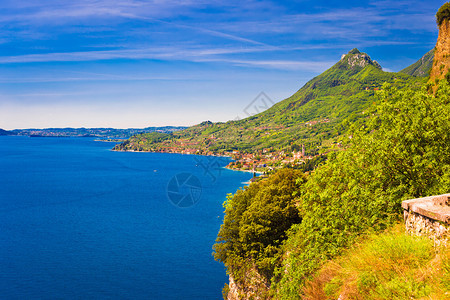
[441, 64]
[355, 59]
[255, 287]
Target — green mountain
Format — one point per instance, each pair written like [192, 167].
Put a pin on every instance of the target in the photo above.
[422, 67]
[313, 116]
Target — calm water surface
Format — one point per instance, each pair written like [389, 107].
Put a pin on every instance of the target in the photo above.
[78, 221]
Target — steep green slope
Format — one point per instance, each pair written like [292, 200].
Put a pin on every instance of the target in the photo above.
[401, 152]
[422, 67]
[312, 116]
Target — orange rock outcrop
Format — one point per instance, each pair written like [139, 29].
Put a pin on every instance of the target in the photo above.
[441, 64]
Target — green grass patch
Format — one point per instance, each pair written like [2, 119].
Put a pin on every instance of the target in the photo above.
[391, 265]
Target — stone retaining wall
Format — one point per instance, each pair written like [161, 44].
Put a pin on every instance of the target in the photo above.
[429, 216]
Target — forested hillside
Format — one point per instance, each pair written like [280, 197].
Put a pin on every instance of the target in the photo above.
[315, 116]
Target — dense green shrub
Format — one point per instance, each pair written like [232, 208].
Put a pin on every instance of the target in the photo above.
[404, 152]
[255, 224]
[443, 13]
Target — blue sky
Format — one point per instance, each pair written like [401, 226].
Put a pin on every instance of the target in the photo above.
[137, 63]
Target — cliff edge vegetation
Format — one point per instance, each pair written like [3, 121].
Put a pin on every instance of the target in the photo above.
[443, 14]
[391, 265]
[255, 226]
[402, 152]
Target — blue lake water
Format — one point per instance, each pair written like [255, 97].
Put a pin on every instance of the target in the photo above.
[78, 221]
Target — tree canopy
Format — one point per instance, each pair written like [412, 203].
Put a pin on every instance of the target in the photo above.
[256, 221]
[443, 13]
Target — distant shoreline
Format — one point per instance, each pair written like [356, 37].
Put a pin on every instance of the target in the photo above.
[110, 140]
[248, 171]
[214, 155]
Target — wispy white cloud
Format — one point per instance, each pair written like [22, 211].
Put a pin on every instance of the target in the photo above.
[53, 95]
[68, 16]
[377, 20]
[311, 66]
[341, 23]
[90, 77]
[164, 53]
[169, 53]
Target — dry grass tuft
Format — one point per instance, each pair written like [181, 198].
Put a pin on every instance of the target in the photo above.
[392, 265]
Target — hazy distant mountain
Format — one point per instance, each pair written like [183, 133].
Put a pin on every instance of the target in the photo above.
[95, 132]
[5, 132]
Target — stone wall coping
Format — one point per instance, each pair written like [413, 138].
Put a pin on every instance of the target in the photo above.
[433, 207]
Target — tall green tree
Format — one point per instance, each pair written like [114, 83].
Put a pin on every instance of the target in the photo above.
[255, 223]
